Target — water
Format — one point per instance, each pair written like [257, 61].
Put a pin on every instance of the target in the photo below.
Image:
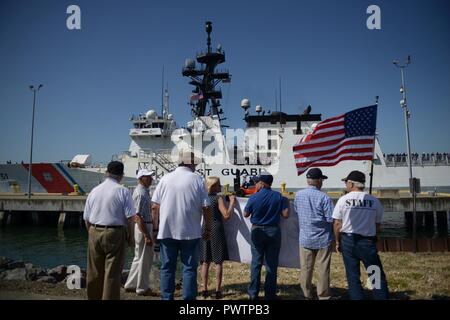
[46, 246]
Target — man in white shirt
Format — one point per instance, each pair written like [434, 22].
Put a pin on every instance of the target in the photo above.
[109, 217]
[139, 277]
[357, 219]
[178, 202]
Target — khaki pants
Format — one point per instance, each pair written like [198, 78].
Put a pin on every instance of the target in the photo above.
[106, 256]
[308, 257]
[139, 277]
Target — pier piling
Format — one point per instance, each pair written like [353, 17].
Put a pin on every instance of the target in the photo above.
[429, 219]
[442, 222]
[409, 220]
[3, 218]
[419, 220]
[429, 223]
[38, 218]
[61, 220]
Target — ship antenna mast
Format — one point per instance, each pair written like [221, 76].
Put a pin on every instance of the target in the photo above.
[166, 101]
[281, 126]
[162, 92]
[208, 30]
[205, 79]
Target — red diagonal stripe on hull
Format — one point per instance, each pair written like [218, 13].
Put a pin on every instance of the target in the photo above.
[57, 183]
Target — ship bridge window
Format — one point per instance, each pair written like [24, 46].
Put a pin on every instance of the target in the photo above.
[158, 125]
[272, 139]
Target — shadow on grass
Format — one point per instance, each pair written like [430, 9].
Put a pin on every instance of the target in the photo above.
[293, 292]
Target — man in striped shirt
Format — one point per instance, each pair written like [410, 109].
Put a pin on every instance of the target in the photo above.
[314, 209]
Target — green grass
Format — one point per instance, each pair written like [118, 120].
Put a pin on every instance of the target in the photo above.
[410, 276]
[419, 276]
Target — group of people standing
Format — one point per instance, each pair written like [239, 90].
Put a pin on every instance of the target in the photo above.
[172, 217]
[352, 226]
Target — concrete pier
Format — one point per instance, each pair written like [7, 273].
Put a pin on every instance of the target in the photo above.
[65, 210]
[75, 203]
[62, 212]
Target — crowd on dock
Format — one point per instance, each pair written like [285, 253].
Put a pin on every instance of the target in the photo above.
[171, 218]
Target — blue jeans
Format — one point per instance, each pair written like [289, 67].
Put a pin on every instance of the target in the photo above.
[189, 258]
[266, 244]
[355, 249]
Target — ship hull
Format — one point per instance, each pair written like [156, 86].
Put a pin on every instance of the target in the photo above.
[52, 178]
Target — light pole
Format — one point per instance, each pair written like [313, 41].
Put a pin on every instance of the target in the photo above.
[412, 181]
[32, 88]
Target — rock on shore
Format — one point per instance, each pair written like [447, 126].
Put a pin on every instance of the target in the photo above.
[21, 271]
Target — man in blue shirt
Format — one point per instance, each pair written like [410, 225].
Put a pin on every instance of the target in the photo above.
[265, 208]
[314, 209]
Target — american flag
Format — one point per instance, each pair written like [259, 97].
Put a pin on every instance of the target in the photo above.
[196, 97]
[350, 136]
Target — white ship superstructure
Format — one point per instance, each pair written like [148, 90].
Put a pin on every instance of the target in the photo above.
[265, 144]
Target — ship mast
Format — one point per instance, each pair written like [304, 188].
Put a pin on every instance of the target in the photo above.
[206, 78]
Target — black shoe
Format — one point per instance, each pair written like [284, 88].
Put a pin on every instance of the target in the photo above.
[204, 294]
[219, 295]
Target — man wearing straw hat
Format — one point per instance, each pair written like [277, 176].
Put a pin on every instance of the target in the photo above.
[179, 201]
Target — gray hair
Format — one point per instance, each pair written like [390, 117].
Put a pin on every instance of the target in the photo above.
[357, 184]
[312, 182]
[113, 176]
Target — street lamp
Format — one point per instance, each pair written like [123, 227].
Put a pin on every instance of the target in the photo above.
[412, 181]
[32, 88]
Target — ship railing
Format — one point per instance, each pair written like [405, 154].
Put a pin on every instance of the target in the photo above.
[204, 53]
[120, 156]
[150, 153]
[146, 153]
[163, 157]
[425, 159]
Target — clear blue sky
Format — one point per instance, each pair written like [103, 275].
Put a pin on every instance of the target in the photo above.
[96, 77]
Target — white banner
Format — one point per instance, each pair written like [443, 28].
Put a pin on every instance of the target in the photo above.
[238, 229]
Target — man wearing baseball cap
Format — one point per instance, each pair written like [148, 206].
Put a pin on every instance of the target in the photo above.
[357, 218]
[314, 210]
[265, 208]
[138, 278]
[109, 218]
